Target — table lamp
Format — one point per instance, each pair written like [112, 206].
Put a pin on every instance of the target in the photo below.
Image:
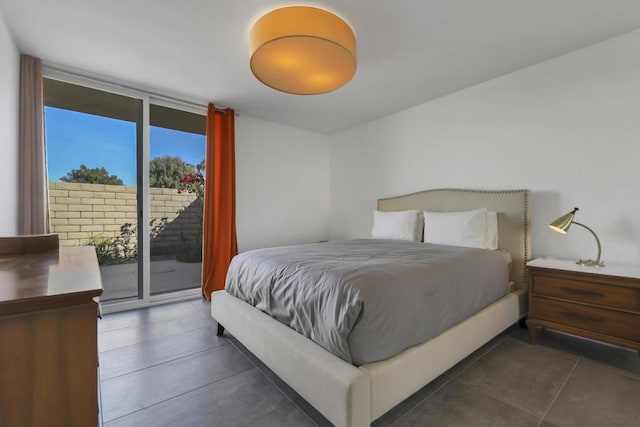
[562, 224]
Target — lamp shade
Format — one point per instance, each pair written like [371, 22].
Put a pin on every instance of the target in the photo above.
[562, 224]
[302, 50]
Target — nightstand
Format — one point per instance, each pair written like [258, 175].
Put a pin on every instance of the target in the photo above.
[597, 303]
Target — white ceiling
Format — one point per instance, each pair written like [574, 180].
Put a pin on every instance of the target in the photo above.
[409, 51]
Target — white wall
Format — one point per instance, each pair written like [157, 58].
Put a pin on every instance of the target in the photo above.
[9, 105]
[282, 184]
[282, 172]
[568, 129]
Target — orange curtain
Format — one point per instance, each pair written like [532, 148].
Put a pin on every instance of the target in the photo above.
[219, 228]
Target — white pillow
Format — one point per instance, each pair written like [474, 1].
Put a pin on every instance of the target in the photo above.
[456, 228]
[400, 225]
[492, 231]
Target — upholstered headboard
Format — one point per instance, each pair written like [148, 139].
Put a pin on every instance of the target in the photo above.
[513, 216]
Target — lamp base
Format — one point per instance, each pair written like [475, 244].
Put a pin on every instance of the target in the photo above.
[590, 263]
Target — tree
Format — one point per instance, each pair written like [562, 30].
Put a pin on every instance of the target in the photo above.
[167, 171]
[87, 175]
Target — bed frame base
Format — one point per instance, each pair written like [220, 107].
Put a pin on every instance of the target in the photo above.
[220, 331]
[351, 396]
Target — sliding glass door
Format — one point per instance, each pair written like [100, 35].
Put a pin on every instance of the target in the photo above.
[176, 180]
[92, 149]
[125, 177]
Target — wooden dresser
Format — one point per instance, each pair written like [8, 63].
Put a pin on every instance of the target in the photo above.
[48, 333]
[593, 302]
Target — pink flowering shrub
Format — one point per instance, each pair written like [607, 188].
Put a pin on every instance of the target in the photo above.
[193, 184]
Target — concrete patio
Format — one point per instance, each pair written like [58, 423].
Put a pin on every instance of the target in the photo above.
[120, 281]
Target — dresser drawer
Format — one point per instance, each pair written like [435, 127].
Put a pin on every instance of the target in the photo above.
[608, 322]
[593, 293]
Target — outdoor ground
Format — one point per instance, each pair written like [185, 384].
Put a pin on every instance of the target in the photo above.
[121, 281]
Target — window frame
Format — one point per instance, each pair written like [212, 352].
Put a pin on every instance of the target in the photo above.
[148, 97]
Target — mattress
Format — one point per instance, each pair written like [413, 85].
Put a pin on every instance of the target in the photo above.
[367, 300]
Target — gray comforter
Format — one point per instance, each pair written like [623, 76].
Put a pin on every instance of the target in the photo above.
[367, 300]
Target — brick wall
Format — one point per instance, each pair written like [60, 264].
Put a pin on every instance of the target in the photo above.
[81, 211]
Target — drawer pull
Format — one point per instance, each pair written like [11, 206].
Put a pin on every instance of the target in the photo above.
[582, 317]
[582, 292]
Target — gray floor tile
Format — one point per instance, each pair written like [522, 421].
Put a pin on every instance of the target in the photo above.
[525, 376]
[597, 396]
[287, 416]
[552, 339]
[234, 401]
[619, 357]
[457, 404]
[467, 361]
[311, 412]
[131, 392]
[409, 403]
[149, 353]
[614, 368]
[616, 357]
[122, 337]
[164, 366]
[156, 313]
[201, 304]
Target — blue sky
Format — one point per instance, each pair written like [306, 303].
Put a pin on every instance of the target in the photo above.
[77, 138]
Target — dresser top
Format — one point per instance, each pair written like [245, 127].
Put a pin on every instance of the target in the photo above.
[62, 277]
[610, 269]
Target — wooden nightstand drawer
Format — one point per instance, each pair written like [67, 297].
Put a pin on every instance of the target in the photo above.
[590, 292]
[596, 303]
[608, 322]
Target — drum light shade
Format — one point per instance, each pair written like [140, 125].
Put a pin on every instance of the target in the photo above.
[302, 50]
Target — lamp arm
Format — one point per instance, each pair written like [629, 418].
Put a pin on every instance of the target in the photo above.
[594, 235]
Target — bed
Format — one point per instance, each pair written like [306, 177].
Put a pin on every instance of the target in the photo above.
[350, 395]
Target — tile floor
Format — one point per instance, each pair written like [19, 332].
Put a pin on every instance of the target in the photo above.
[164, 366]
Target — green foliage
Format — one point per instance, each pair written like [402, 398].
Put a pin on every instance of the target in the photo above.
[158, 226]
[106, 249]
[87, 175]
[116, 250]
[123, 248]
[167, 171]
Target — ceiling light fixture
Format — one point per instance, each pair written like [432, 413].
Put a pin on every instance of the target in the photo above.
[302, 50]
